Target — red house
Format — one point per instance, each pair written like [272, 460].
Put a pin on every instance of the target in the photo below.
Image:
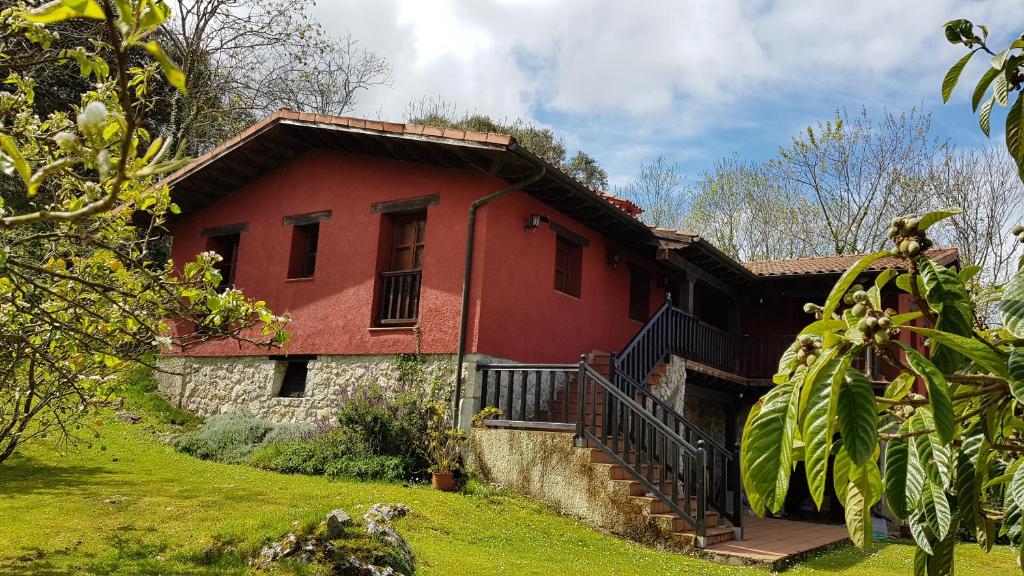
[497, 271]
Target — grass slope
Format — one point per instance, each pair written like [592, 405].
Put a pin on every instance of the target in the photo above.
[138, 507]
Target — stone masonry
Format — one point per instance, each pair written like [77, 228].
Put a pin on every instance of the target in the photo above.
[215, 385]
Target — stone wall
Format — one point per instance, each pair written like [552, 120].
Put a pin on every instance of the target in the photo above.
[671, 388]
[212, 385]
[708, 415]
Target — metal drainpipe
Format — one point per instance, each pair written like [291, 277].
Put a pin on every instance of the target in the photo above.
[468, 276]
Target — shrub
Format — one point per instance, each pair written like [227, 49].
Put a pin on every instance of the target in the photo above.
[309, 456]
[390, 426]
[289, 432]
[230, 437]
[388, 468]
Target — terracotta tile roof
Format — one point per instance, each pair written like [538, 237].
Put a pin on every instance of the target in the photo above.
[625, 205]
[837, 264]
[285, 114]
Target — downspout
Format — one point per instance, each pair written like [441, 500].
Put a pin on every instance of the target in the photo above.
[468, 276]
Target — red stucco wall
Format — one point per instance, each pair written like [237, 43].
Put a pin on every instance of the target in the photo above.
[521, 316]
[332, 313]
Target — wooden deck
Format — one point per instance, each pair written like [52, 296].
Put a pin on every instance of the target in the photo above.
[775, 543]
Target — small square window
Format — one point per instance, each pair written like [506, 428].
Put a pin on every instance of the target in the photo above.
[302, 263]
[568, 266]
[291, 376]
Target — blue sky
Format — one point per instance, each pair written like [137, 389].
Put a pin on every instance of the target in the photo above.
[689, 80]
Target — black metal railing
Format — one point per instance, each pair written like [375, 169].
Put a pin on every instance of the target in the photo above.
[638, 431]
[528, 392]
[673, 331]
[671, 470]
[723, 482]
[399, 301]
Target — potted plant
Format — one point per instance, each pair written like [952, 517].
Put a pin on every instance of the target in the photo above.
[445, 447]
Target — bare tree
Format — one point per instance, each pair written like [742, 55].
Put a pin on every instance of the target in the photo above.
[745, 210]
[861, 173]
[245, 58]
[984, 183]
[659, 190]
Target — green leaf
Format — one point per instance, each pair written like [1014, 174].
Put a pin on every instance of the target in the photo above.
[841, 473]
[858, 516]
[982, 87]
[858, 416]
[897, 455]
[985, 116]
[756, 503]
[846, 280]
[985, 532]
[1014, 136]
[1016, 487]
[787, 363]
[938, 392]
[906, 318]
[969, 347]
[967, 273]
[819, 420]
[1001, 89]
[884, 277]
[936, 510]
[919, 530]
[967, 488]
[1016, 369]
[932, 453]
[931, 218]
[768, 446]
[175, 77]
[1011, 308]
[899, 387]
[822, 326]
[54, 12]
[916, 475]
[948, 297]
[953, 75]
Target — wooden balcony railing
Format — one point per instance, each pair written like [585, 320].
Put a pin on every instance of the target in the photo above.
[399, 297]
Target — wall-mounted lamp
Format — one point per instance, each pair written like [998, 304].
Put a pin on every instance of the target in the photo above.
[533, 221]
[613, 257]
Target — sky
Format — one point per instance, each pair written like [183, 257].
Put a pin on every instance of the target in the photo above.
[690, 80]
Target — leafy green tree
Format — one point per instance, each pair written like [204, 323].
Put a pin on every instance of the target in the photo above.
[83, 294]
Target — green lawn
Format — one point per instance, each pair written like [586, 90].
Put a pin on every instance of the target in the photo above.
[138, 507]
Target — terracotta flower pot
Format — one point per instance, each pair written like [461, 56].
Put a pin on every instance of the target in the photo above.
[443, 481]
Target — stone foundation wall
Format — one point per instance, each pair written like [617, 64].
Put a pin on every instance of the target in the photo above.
[215, 385]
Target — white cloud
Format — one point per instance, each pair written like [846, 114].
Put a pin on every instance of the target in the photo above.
[660, 70]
